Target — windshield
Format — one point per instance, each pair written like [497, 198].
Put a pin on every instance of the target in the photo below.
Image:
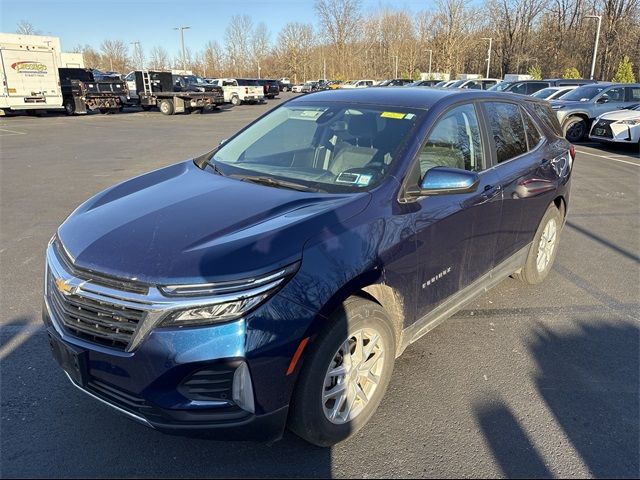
[500, 87]
[545, 92]
[583, 94]
[328, 146]
[193, 79]
[457, 84]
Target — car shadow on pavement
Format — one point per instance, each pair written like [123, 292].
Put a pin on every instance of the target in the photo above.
[589, 379]
[50, 429]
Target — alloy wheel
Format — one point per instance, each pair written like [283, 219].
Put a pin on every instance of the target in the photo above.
[353, 376]
[546, 245]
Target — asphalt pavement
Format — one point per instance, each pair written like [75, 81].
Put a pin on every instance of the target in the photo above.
[539, 381]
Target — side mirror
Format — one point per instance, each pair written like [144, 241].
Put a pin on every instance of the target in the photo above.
[603, 99]
[446, 181]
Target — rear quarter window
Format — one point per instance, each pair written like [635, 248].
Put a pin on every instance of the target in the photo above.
[546, 116]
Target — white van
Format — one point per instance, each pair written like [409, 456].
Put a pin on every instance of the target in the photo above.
[29, 68]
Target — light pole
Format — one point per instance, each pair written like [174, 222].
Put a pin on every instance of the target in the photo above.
[184, 57]
[396, 67]
[595, 47]
[136, 46]
[258, 68]
[430, 55]
[488, 55]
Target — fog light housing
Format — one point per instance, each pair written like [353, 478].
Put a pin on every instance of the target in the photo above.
[242, 391]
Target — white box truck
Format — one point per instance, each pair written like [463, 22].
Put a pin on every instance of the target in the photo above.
[29, 69]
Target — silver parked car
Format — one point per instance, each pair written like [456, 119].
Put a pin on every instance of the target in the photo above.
[577, 110]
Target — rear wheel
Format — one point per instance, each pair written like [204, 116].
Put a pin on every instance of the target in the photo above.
[575, 129]
[166, 107]
[345, 375]
[544, 248]
[235, 100]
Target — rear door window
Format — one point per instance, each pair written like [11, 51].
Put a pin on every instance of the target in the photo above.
[507, 130]
[633, 94]
[548, 117]
[534, 136]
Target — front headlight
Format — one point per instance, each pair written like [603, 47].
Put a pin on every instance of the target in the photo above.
[224, 301]
[630, 122]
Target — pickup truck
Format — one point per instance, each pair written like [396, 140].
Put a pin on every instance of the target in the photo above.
[271, 89]
[82, 90]
[239, 91]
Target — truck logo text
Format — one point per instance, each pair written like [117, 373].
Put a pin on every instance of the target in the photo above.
[437, 277]
[29, 67]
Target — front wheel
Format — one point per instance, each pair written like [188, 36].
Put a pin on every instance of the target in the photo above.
[346, 374]
[544, 248]
[575, 129]
[69, 106]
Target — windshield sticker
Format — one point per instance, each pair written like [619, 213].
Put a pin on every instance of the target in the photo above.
[360, 180]
[396, 115]
[310, 113]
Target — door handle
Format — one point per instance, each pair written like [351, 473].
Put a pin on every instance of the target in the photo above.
[489, 193]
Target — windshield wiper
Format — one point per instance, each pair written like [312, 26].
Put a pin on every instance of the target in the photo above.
[273, 182]
[215, 167]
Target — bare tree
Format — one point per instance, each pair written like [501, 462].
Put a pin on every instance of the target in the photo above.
[211, 58]
[294, 49]
[237, 47]
[115, 55]
[26, 28]
[91, 58]
[340, 23]
[260, 45]
[159, 58]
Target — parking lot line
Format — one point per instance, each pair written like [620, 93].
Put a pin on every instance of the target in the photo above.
[608, 158]
[10, 132]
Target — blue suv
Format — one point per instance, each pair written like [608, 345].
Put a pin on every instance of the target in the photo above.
[273, 281]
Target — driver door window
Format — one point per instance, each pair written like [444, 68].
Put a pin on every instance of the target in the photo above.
[454, 142]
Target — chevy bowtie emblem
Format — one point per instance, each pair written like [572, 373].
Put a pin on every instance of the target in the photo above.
[64, 288]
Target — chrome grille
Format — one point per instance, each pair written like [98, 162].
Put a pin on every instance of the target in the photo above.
[97, 321]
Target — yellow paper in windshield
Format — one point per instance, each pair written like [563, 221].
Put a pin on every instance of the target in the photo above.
[396, 115]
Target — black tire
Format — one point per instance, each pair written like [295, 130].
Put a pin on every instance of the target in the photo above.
[69, 106]
[306, 415]
[575, 129]
[146, 108]
[235, 100]
[530, 273]
[166, 106]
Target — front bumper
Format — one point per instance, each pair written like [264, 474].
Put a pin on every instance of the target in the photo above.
[609, 131]
[149, 385]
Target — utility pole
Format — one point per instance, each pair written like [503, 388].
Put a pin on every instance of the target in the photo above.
[396, 67]
[258, 68]
[488, 56]
[430, 55]
[324, 68]
[184, 56]
[595, 47]
[136, 47]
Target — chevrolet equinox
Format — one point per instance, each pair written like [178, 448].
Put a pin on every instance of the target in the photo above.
[273, 281]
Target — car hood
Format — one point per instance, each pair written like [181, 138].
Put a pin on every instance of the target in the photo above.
[181, 224]
[621, 115]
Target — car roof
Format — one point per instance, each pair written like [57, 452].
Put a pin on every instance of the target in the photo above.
[423, 98]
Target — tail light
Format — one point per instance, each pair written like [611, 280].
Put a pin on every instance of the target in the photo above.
[572, 152]
[246, 90]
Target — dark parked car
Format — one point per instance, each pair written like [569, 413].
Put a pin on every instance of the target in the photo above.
[271, 89]
[424, 83]
[528, 87]
[396, 82]
[346, 226]
[193, 83]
